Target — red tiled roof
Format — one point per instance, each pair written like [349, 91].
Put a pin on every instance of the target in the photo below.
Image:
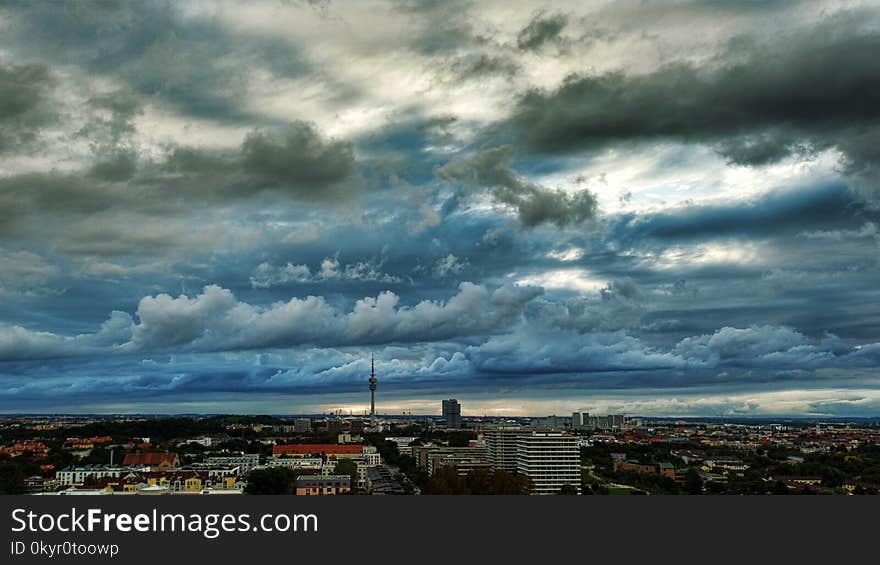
[316, 448]
[148, 458]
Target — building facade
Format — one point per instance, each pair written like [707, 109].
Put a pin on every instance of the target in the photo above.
[452, 414]
[551, 460]
[322, 485]
[501, 447]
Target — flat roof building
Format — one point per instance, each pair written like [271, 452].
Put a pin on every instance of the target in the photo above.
[550, 460]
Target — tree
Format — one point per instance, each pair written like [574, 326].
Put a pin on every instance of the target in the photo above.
[693, 484]
[780, 488]
[480, 481]
[567, 489]
[271, 481]
[347, 467]
[11, 478]
[446, 481]
[508, 483]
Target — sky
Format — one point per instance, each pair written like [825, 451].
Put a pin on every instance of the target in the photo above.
[655, 208]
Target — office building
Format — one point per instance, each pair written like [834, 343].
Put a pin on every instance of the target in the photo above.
[452, 414]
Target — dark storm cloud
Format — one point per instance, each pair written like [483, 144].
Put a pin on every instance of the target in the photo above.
[120, 165]
[491, 169]
[191, 62]
[24, 109]
[760, 101]
[781, 212]
[300, 157]
[110, 118]
[542, 29]
[127, 193]
[738, 358]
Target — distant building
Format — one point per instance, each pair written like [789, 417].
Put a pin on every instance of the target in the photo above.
[668, 470]
[402, 443]
[553, 422]
[357, 426]
[330, 450]
[550, 459]
[79, 475]
[335, 425]
[246, 461]
[322, 485]
[371, 456]
[634, 466]
[302, 425]
[452, 414]
[583, 421]
[315, 463]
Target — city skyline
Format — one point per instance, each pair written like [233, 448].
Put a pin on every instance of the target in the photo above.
[662, 209]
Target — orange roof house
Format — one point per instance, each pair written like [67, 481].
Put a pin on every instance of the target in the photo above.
[155, 461]
[331, 450]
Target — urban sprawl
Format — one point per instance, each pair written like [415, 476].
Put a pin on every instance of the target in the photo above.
[334, 454]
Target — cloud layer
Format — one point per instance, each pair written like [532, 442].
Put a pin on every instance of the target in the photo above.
[669, 208]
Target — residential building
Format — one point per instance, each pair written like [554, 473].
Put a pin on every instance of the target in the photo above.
[246, 461]
[296, 462]
[322, 485]
[330, 450]
[501, 447]
[550, 459]
[155, 461]
[79, 475]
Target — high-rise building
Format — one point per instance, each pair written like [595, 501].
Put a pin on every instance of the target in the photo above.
[550, 460]
[581, 421]
[501, 447]
[452, 414]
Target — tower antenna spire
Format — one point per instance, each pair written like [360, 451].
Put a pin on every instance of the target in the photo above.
[372, 391]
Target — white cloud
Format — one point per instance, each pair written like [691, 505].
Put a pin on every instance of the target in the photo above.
[449, 265]
[267, 275]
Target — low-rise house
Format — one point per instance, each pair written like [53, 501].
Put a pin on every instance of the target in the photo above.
[322, 485]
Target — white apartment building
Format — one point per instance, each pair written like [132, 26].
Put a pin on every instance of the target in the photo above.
[296, 462]
[501, 443]
[246, 461]
[550, 460]
[78, 475]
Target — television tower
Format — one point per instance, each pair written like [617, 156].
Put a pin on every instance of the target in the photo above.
[372, 392]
